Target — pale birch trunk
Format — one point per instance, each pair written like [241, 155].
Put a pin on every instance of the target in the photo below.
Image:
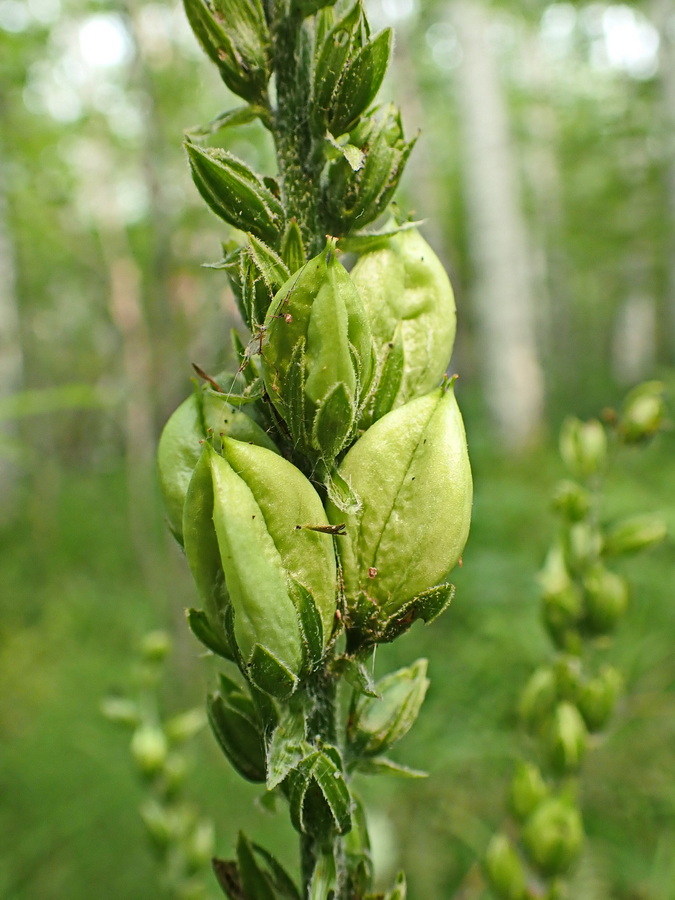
[503, 292]
[663, 17]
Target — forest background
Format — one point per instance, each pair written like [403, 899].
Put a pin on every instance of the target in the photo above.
[545, 173]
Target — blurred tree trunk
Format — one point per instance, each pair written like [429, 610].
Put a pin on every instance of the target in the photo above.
[11, 355]
[663, 18]
[504, 273]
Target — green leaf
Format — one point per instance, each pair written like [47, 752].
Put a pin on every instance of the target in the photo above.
[286, 747]
[254, 879]
[380, 765]
[360, 83]
[231, 118]
[235, 193]
[273, 270]
[269, 674]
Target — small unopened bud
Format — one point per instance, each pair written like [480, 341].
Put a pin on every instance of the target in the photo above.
[643, 412]
[121, 711]
[504, 869]
[571, 500]
[553, 836]
[199, 845]
[149, 748]
[568, 677]
[538, 698]
[598, 697]
[155, 646]
[583, 446]
[583, 546]
[606, 600]
[566, 739]
[635, 534]
[183, 727]
[528, 789]
[159, 823]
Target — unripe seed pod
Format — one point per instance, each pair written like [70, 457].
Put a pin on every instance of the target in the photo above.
[411, 472]
[583, 446]
[149, 748]
[504, 869]
[568, 677]
[259, 509]
[408, 297]
[538, 698]
[155, 646]
[528, 789]
[553, 836]
[159, 823]
[180, 445]
[643, 412]
[598, 697]
[583, 546]
[377, 723]
[562, 600]
[318, 355]
[566, 739]
[606, 596]
[635, 534]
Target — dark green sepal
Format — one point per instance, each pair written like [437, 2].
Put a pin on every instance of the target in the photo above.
[276, 874]
[360, 83]
[235, 193]
[338, 47]
[295, 406]
[311, 626]
[355, 672]
[319, 778]
[358, 851]
[390, 379]
[368, 625]
[286, 747]
[309, 7]
[266, 672]
[236, 730]
[364, 242]
[333, 422]
[292, 247]
[228, 878]
[254, 879]
[200, 626]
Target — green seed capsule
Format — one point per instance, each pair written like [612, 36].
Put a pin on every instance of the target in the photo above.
[250, 526]
[598, 698]
[643, 412]
[606, 595]
[528, 789]
[180, 445]
[566, 739]
[504, 869]
[318, 356]
[583, 446]
[553, 836]
[411, 472]
[408, 298]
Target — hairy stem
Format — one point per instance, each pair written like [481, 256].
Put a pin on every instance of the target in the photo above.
[299, 150]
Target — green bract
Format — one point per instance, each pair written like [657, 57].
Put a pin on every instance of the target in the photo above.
[269, 581]
[411, 472]
[411, 308]
[180, 445]
[317, 355]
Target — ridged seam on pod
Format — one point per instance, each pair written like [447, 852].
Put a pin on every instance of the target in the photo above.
[404, 286]
[317, 320]
[260, 500]
[411, 471]
[180, 444]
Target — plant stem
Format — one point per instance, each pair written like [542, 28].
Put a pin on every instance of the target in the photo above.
[299, 151]
[322, 729]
